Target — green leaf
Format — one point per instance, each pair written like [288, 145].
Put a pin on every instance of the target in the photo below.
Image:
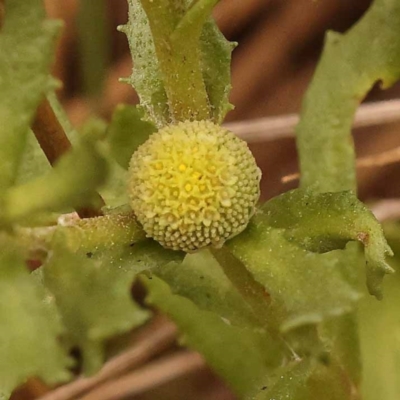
[200, 278]
[243, 357]
[327, 221]
[127, 132]
[181, 60]
[350, 65]
[27, 43]
[309, 380]
[289, 274]
[146, 78]
[33, 162]
[290, 382]
[28, 340]
[101, 305]
[216, 66]
[69, 184]
[379, 330]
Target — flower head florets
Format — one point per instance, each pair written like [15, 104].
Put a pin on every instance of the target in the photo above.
[192, 185]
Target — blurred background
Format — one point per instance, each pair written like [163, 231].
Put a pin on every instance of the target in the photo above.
[280, 42]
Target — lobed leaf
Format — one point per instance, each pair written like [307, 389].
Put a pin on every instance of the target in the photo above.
[27, 43]
[350, 65]
[216, 54]
[101, 305]
[327, 221]
[289, 274]
[146, 78]
[29, 333]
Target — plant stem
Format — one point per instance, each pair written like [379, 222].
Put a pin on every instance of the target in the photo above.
[179, 60]
[252, 292]
[85, 235]
[54, 143]
[49, 132]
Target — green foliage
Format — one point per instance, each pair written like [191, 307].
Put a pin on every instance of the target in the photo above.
[200, 278]
[69, 184]
[181, 61]
[379, 330]
[26, 52]
[273, 312]
[101, 304]
[28, 340]
[350, 65]
[241, 355]
[127, 132]
[289, 273]
[327, 221]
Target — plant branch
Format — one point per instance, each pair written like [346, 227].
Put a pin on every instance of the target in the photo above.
[179, 61]
[152, 339]
[85, 234]
[55, 143]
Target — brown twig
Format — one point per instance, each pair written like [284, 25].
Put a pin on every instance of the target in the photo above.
[54, 143]
[273, 128]
[152, 340]
[49, 133]
[150, 376]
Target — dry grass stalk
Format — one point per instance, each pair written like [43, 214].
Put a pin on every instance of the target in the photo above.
[274, 128]
[151, 376]
[154, 338]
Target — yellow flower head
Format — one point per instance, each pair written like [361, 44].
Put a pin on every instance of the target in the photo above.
[192, 185]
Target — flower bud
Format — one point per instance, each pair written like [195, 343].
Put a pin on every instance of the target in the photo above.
[193, 185]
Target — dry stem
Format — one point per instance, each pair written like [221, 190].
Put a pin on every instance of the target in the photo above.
[272, 128]
[152, 340]
[150, 376]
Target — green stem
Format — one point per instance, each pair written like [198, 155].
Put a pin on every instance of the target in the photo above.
[86, 235]
[179, 60]
[252, 291]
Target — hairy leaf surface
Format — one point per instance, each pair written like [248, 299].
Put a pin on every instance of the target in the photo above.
[26, 51]
[351, 64]
[101, 305]
[290, 275]
[181, 60]
[241, 356]
[28, 340]
[200, 278]
[327, 221]
[127, 131]
[69, 184]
